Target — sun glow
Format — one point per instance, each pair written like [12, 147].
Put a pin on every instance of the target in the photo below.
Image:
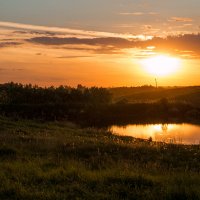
[161, 65]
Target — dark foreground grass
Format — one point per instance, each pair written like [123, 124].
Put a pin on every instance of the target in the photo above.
[62, 161]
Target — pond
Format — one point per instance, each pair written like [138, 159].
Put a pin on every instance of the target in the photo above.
[170, 133]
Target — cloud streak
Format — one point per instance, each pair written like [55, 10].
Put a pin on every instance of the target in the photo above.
[9, 44]
[132, 13]
[138, 13]
[173, 44]
[109, 41]
[82, 33]
[71, 57]
[180, 19]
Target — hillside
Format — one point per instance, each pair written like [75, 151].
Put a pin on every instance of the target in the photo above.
[148, 94]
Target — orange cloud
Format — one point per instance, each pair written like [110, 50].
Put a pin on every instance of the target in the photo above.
[138, 13]
[8, 44]
[173, 44]
[180, 19]
[132, 13]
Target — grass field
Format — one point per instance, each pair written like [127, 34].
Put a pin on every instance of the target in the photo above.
[149, 94]
[59, 160]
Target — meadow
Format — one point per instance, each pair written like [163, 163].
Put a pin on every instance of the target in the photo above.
[149, 94]
[61, 160]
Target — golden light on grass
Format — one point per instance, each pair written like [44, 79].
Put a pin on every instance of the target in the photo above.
[161, 65]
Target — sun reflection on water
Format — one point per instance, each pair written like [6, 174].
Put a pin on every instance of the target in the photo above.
[170, 133]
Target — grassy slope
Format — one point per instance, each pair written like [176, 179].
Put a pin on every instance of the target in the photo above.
[62, 161]
[149, 94]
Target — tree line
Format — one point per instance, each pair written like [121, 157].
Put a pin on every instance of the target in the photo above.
[91, 106]
[15, 93]
[50, 103]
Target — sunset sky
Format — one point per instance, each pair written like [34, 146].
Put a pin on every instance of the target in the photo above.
[100, 43]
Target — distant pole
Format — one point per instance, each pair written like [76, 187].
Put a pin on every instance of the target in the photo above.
[156, 82]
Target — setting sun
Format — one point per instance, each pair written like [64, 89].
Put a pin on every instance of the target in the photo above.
[161, 65]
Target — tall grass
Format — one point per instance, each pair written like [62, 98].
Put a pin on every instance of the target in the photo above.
[55, 160]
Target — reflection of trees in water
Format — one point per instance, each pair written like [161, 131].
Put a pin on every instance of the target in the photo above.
[168, 138]
[164, 127]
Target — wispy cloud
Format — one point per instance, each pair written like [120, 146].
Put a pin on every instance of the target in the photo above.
[9, 44]
[132, 13]
[139, 13]
[74, 32]
[34, 32]
[70, 57]
[109, 41]
[180, 19]
[153, 13]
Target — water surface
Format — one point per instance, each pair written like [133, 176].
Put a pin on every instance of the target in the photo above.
[170, 133]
